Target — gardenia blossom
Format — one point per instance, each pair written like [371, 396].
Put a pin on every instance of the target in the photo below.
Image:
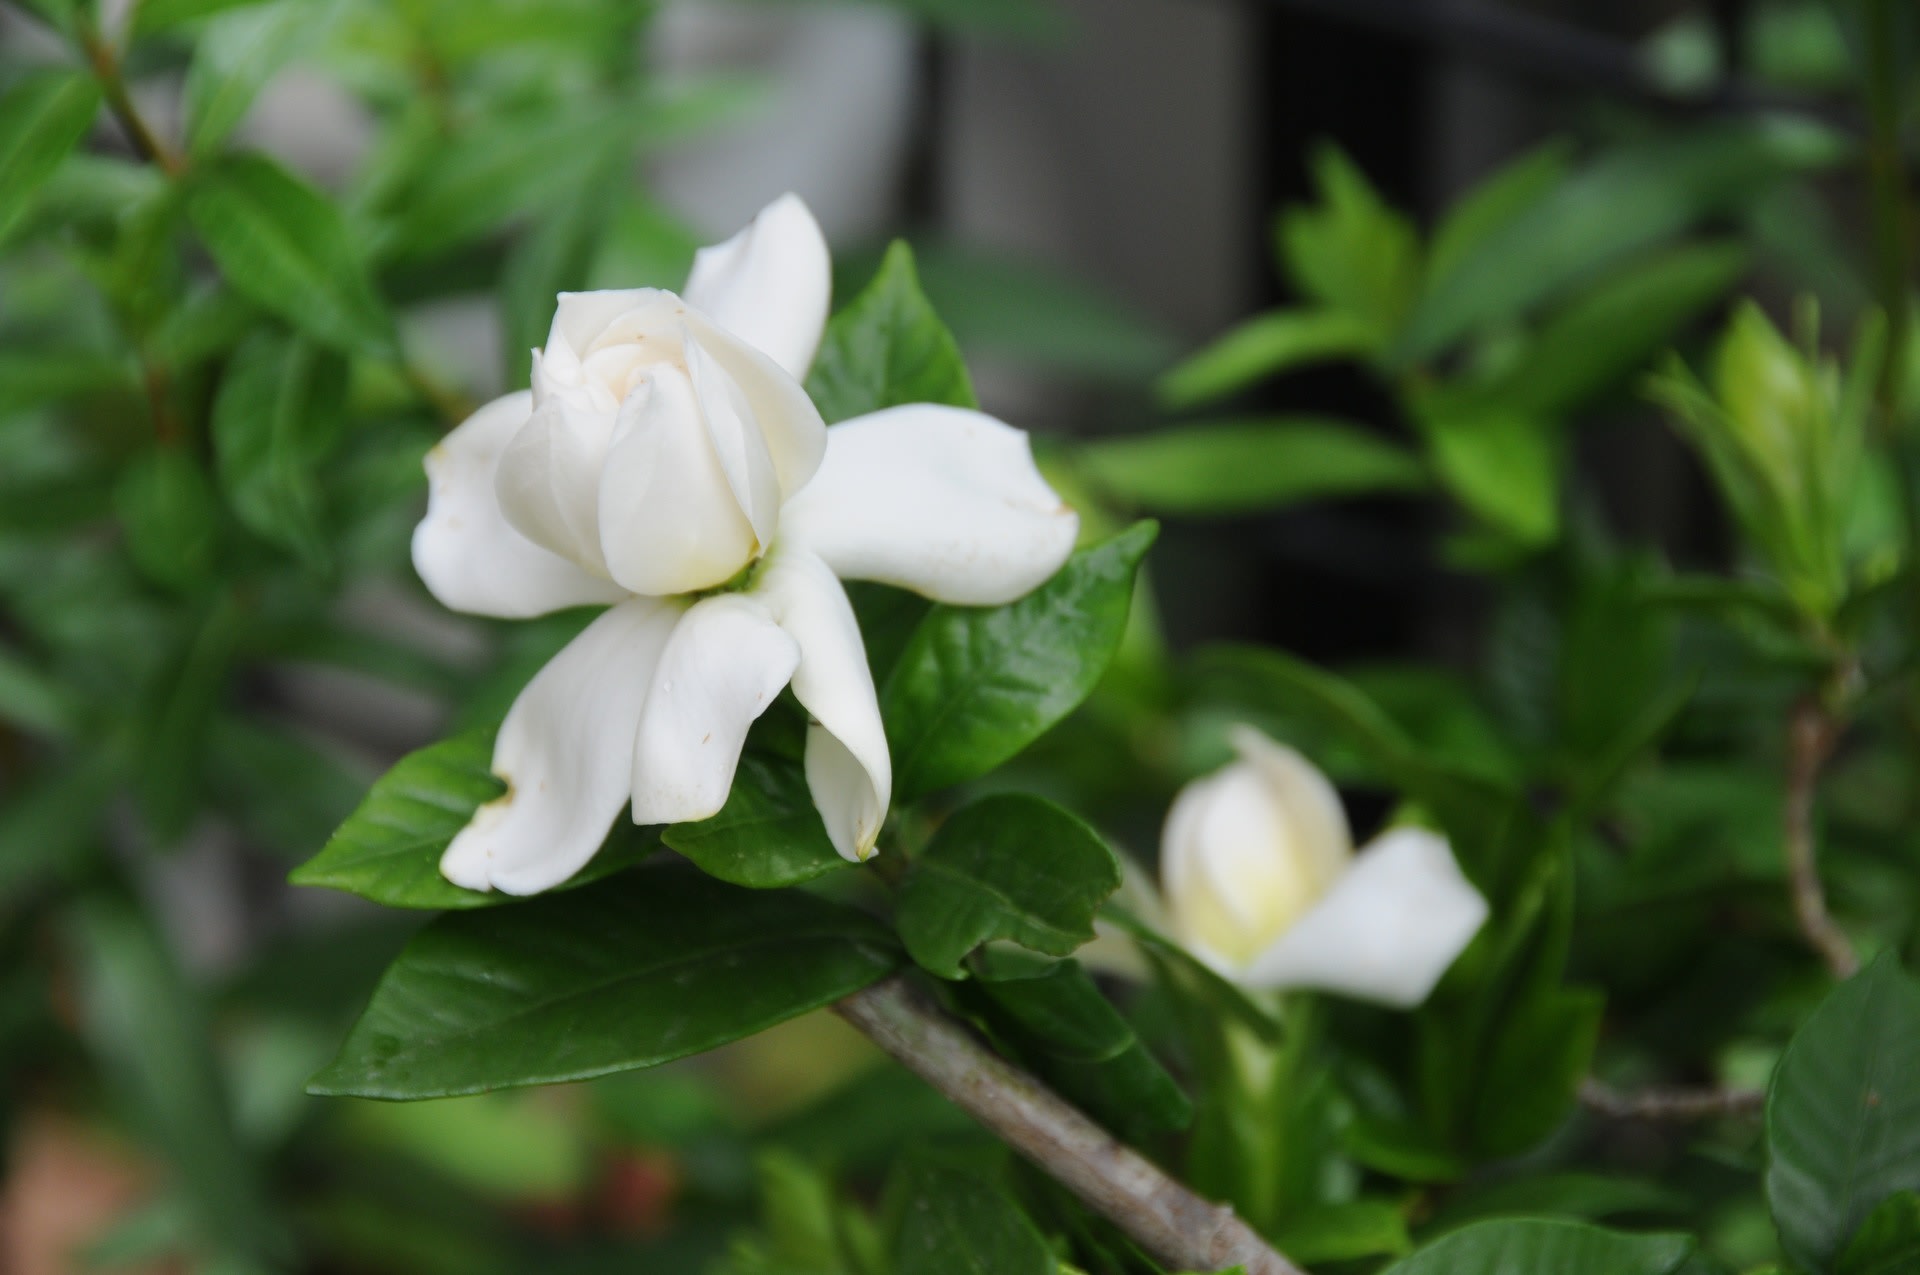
[668, 465]
[1262, 883]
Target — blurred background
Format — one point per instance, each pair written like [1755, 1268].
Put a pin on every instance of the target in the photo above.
[1091, 187]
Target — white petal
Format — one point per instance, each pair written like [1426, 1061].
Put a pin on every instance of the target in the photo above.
[769, 284]
[471, 558]
[737, 439]
[848, 768]
[566, 750]
[1386, 931]
[1319, 830]
[940, 500]
[668, 521]
[723, 666]
[548, 480]
[775, 403]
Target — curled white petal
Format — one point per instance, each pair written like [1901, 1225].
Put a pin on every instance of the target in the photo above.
[1317, 821]
[723, 666]
[668, 520]
[771, 399]
[769, 285]
[737, 440]
[849, 770]
[470, 557]
[1386, 931]
[940, 500]
[566, 752]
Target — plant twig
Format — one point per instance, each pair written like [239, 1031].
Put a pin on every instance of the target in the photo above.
[106, 68]
[1668, 1105]
[1170, 1221]
[1811, 732]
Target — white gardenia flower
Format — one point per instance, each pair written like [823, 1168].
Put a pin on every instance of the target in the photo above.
[668, 465]
[1262, 883]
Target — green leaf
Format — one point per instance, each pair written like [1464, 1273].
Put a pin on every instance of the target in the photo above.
[33, 699]
[1888, 1242]
[636, 970]
[1494, 204]
[1611, 331]
[147, 1033]
[153, 16]
[1628, 199]
[166, 506]
[1264, 346]
[1536, 1246]
[1057, 1022]
[978, 684]
[1351, 252]
[389, 849]
[886, 348]
[768, 834]
[1843, 1113]
[278, 414]
[284, 245]
[33, 379]
[1210, 467]
[553, 257]
[1343, 1232]
[1008, 866]
[42, 116]
[1503, 468]
[951, 1217]
[234, 58]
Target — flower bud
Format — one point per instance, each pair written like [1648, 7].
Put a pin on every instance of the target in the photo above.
[1262, 883]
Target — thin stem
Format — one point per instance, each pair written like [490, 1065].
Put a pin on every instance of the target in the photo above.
[106, 68]
[1811, 733]
[1171, 1222]
[1669, 1105]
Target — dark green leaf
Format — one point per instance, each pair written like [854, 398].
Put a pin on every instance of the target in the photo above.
[1633, 197]
[1008, 866]
[886, 348]
[950, 1217]
[389, 849]
[1529, 1246]
[1343, 1232]
[42, 116]
[1888, 1242]
[285, 245]
[32, 379]
[639, 969]
[1262, 347]
[166, 508]
[1239, 466]
[978, 684]
[1504, 468]
[1494, 204]
[278, 414]
[1057, 1022]
[768, 833]
[1843, 1113]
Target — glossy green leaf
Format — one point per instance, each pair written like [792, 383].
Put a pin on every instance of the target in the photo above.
[1262, 347]
[1059, 1024]
[1009, 866]
[278, 414]
[887, 347]
[1530, 1246]
[1843, 1113]
[235, 56]
[948, 1216]
[1209, 467]
[284, 245]
[978, 684]
[166, 508]
[768, 834]
[1888, 1242]
[636, 970]
[389, 849]
[42, 116]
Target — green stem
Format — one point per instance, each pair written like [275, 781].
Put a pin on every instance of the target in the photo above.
[106, 68]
